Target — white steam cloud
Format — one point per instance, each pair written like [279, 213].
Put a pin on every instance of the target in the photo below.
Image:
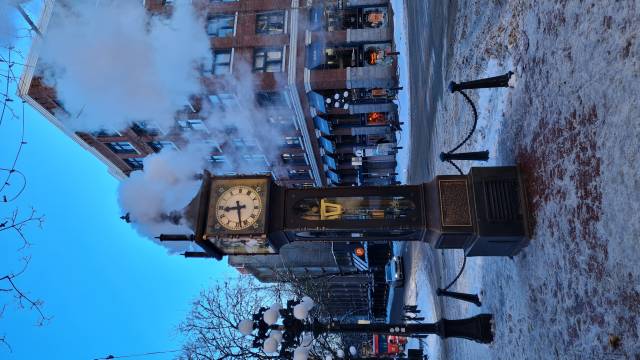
[112, 63]
[166, 185]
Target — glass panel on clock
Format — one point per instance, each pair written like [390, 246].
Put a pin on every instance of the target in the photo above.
[355, 208]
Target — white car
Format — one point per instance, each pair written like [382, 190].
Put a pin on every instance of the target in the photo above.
[394, 272]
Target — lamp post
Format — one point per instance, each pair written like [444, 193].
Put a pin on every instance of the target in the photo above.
[291, 337]
[504, 80]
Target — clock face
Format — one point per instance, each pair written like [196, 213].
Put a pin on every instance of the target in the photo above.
[239, 208]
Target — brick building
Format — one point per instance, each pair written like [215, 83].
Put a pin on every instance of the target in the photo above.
[325, 74]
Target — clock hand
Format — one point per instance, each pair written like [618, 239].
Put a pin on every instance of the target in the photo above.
[238, 207]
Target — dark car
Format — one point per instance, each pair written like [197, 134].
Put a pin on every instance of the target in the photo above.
[394, 272]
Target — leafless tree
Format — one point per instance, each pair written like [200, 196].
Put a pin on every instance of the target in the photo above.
[14, 220]
[211, 326]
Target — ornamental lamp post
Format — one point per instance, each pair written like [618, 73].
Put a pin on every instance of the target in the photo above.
[292, 337]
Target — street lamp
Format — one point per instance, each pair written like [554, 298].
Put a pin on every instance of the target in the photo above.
[292, 337]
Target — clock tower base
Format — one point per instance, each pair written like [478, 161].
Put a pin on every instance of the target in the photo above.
[484, 212]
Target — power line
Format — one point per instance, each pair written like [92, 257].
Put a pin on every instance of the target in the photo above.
[108, 357]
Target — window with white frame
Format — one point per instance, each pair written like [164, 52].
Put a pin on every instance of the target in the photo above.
[134, 163]
[267, 60]
[223, 100]
[243, 143]
[299, 175]
[222, 61]
[270, 22]
[161, 144]
[255, 159]
[271, 99]
[294, 158]
[122, 147]
[217, 159]
[145, 128]
[292, 142]
[195, 124]
[214, 145]
[281, 120]
[221, 25]
[106, 133]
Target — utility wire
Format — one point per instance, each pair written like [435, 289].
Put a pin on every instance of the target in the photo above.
[108, 357]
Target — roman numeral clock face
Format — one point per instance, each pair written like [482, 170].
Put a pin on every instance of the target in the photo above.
[238, 208]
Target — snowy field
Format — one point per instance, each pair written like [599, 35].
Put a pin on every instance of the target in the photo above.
[572, 125]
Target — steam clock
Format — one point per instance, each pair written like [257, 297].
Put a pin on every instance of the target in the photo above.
[483, 213]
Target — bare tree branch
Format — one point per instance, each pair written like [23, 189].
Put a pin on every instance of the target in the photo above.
[13, 222]
[21, 297]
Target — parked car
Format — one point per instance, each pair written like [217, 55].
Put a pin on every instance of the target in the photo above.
[394, 272]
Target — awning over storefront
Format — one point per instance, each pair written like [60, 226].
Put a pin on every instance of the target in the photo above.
[316, 55]
[331, 162]
[327, 145]
[316, 18]
[335, 178]
[322, 125]
[317, 101]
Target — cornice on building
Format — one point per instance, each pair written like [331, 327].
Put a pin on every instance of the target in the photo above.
[25, 84]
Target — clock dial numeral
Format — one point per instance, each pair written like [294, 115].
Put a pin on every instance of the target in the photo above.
[239, 208]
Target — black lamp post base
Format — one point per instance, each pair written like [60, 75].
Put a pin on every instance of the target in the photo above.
[478, 328]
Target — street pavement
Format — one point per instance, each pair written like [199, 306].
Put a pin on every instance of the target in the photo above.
[430, 24]
[570, 124]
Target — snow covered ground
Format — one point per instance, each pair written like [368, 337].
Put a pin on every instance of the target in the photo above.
[571, 124]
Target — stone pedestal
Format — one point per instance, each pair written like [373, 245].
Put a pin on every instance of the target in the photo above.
[484, 212]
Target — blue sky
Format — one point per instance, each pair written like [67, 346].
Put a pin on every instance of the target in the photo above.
[108, 290]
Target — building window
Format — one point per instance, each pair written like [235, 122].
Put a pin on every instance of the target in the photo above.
[271, 99]
[281, 120]
[214, 145]
[294, 159]
[267, 60]
[223, 100]
[270, 23]
[221, 25]
[292, 142]
[159, 145]
[143, 128]
[134, 163]
[217, 159]
[299, 175]
[255, 159]
[242, 143]
[106, 133]
[121, 147]
[197, 125]
[222, 62]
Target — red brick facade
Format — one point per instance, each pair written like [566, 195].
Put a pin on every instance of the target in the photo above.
[243, 42]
